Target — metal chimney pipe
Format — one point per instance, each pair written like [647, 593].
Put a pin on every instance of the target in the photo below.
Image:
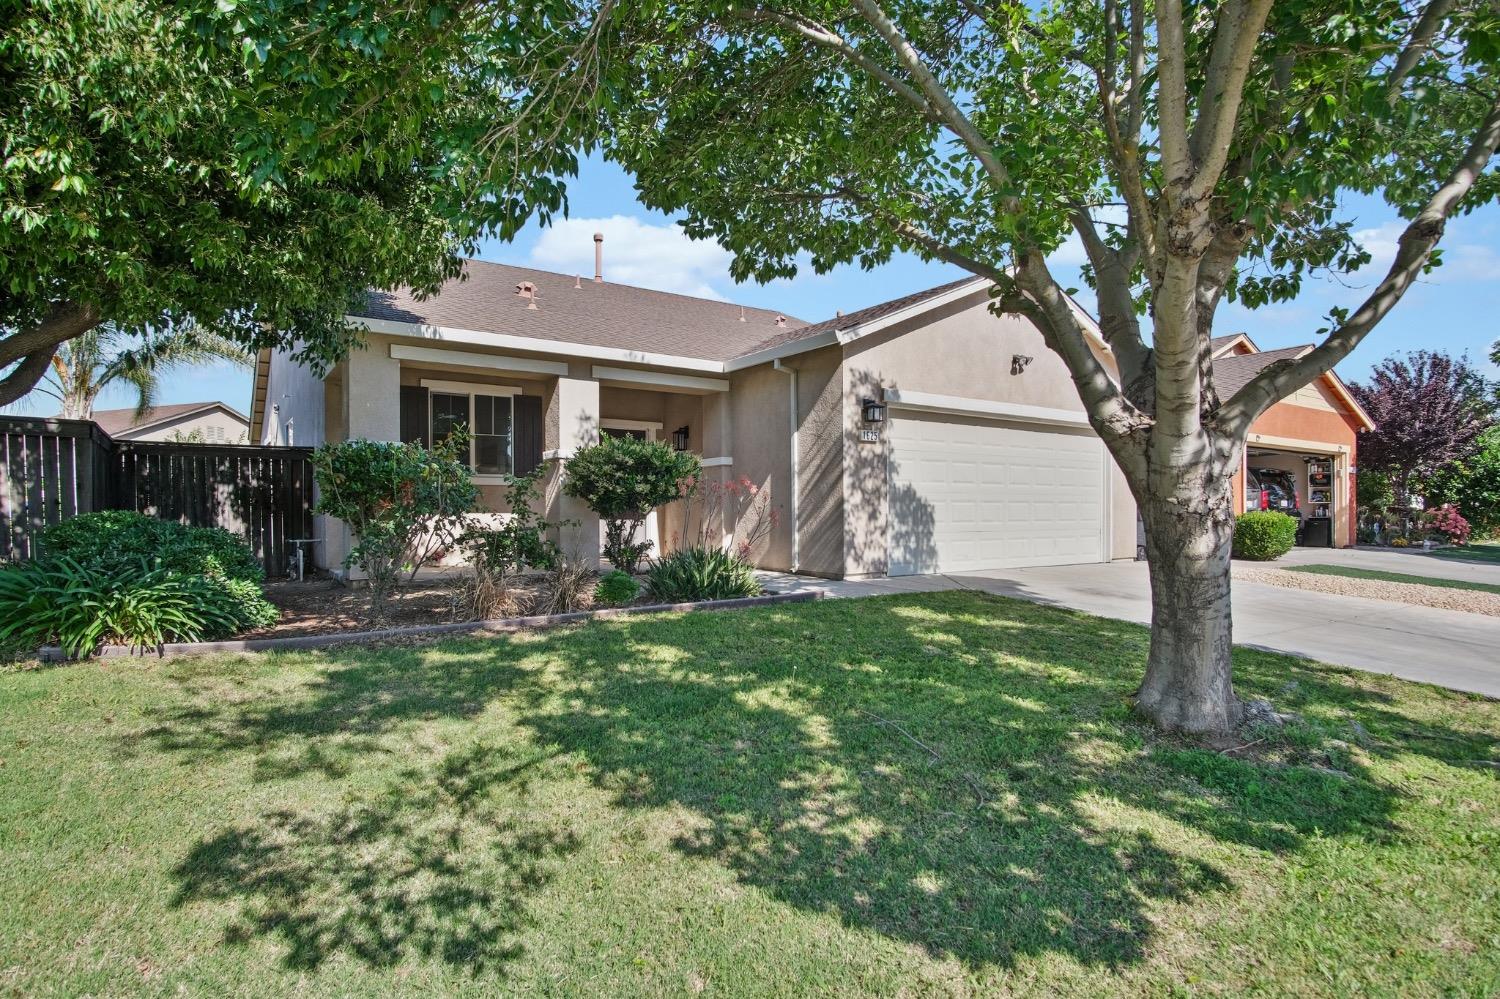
[599, 257]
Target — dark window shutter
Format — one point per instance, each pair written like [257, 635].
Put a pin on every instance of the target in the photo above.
[413, 415]
[527, 431]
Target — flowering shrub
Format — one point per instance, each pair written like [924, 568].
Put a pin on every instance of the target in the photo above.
[1447, 521]
[403, 502]
[737, 508]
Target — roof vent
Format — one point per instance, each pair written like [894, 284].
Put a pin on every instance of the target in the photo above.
[578, 280]
[781, 320]
[527, 290]
[598, 257]
[742, 313]
[838, 313]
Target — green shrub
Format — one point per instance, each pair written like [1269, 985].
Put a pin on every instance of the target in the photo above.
[698, 573]
[521, 541]
[616, 588]
[112, 536]
[82, 606]
[622, 479]
[1264, 535]
[404, 503]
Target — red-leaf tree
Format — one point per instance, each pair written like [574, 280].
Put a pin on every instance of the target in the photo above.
[1429, 410]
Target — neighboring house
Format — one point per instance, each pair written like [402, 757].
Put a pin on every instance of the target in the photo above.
[981, 456]
[201, 422]
[1311, 435]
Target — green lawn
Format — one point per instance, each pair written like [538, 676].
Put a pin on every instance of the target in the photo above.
[1393, 577]
[918, 795]
[1480, 551]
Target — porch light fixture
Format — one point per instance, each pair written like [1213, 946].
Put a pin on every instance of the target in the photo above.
[1018, 363]
[680, 439]
[872, 411]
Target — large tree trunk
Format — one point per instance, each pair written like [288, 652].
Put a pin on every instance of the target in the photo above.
[1187, 686]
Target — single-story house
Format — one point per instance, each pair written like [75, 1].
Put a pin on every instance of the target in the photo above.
[1312, 436]
[920, 435]
[201, 422]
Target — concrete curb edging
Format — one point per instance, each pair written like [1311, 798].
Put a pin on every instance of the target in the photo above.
[51, 653]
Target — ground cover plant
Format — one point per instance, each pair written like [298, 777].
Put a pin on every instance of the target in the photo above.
[1394, 577]
[120, 577]
[939, 794]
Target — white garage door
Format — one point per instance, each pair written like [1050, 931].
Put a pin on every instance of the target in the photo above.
[969, 494]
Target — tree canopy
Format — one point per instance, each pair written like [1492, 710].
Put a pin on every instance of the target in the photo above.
[1197, 150]
[245, 169]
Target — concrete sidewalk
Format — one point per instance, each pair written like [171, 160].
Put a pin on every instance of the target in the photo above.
[1449, 648]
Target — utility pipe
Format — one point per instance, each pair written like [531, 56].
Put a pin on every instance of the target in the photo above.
[793, 427]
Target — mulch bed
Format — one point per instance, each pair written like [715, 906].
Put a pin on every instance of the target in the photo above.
[328, 607]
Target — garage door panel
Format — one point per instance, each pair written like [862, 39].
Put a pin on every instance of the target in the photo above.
[974, 494]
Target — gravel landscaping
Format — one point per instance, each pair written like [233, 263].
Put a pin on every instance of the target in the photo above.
[1470, 601]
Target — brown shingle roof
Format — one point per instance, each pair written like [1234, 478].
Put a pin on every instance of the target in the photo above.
[599, 314]
[865, 315]
[1233, 371]
[118, 421]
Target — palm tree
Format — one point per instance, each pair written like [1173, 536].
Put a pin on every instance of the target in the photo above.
[105, 355]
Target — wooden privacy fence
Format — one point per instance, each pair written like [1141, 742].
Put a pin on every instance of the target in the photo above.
[52, 470]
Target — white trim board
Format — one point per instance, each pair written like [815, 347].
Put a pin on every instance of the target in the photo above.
[469, 359]
[661, 380]
[852, 333]
[425, 331]
[987, 408]
[470, 388]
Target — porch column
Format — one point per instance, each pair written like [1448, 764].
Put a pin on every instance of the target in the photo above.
[372, 411]
[574, 411]
[372, 394]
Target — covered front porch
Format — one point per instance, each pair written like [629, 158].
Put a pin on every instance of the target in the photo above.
[524, 411]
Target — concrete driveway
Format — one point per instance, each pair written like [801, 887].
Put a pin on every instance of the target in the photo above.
[1449, 648]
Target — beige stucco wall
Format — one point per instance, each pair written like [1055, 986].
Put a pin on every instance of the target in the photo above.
[232, 429]
[958, 350]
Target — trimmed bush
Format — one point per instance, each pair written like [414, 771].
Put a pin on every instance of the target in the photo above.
[112, 536]
[82, 606]
[701, 574]
[616, 588]
[622, 479]
[1264, 535]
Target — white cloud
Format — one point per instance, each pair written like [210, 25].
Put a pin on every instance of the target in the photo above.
[636, 253]
[1461, 261]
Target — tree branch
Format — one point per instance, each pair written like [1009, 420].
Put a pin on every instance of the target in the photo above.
[1117, 318]
[1238, 30]
[1413, 250]
[826, 38]
[23, 377]
[947, 110]
[63, 321]
[1171, 71]
[1417, 45]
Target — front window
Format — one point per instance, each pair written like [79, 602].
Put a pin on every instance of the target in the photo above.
[488, 418]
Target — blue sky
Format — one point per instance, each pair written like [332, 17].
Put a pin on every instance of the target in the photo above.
[1454, 309]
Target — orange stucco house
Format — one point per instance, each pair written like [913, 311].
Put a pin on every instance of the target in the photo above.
[1312, 435]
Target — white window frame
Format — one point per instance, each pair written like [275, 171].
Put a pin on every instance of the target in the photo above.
[652, 428]
[471, 389]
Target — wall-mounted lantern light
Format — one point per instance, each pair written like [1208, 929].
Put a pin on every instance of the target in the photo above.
[680, 439]
[1018, 363]
[872, 411]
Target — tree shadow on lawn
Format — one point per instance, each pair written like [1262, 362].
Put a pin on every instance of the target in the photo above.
[438, 865]
[954, 770]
